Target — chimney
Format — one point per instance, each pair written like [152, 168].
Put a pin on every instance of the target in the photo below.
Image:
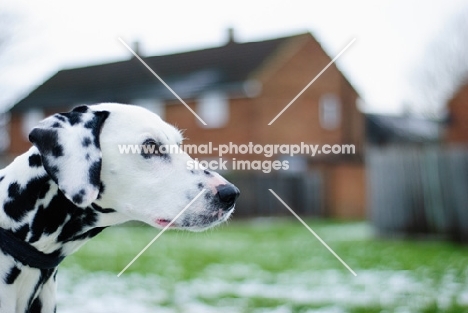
[231, 36]
[136, 47]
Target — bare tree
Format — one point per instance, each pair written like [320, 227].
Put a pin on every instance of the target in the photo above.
[443, 68]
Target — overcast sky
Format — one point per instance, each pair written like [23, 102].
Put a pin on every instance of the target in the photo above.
[391, 36]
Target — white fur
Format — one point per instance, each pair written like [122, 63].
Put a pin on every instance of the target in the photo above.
[148, 189]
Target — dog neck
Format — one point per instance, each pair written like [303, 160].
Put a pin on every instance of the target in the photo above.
[37, 212]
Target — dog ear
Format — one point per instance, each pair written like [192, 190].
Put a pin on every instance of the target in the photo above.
[70, 151]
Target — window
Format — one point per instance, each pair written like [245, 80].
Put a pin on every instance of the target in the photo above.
[297, 164]
[30, 119]
[252, 88]
[4, 132]
[153, 105]
[213, 108]
[329, 111]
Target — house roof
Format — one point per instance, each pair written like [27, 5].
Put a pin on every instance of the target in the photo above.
[382, 129]
[226, 67]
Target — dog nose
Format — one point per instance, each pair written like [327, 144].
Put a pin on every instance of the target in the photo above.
[228, 194]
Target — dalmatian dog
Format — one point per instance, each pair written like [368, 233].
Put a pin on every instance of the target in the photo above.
[74, 182]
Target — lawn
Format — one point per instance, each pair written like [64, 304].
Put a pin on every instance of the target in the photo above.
[264, 265]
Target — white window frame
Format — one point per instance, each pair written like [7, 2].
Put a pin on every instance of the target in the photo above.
[213, 108]
[330, 111]
[29, 120]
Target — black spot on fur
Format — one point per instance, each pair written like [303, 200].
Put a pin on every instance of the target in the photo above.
[36, 306]
[166, 157]
[102, 188]
[57, 151]
[95, 124]
[81, 219]
[43, 191]
[11, 276]
[102, 210]
[47, 141]
[77, 222]
[89, 234]
[22, 200]
[1, 178]
[78, 198]
[22, 232]
[81, 109]
[38, 220]
[35, 160]
[94, 173]
[86, 142]
[91, 124]
[207, 173]
[48, 219]
[60, 118]
[14, 190]
[57, 125]
[52, 170]
[200, 186]
[74, 117]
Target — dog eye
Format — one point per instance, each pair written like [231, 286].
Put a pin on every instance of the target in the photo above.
[151, 148]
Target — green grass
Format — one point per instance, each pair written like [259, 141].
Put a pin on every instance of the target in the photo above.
[281, 252]
[273, 246]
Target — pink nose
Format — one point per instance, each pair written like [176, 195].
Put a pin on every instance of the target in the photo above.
[214, 180]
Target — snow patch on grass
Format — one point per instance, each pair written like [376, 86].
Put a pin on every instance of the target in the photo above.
[247, 288]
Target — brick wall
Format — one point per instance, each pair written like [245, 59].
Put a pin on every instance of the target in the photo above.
[18, 142]
[457, 129]
[346, 191]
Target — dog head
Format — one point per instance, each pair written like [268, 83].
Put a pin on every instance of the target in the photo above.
[126, 158]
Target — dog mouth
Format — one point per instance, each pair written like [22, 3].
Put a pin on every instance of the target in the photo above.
[209, 220]
[197, 222]
[165, 223]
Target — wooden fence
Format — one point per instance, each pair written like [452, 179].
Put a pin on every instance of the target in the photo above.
[302, 192]
[419, 190]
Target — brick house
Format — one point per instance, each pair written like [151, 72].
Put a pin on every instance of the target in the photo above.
[237, 88]
[456, 131]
